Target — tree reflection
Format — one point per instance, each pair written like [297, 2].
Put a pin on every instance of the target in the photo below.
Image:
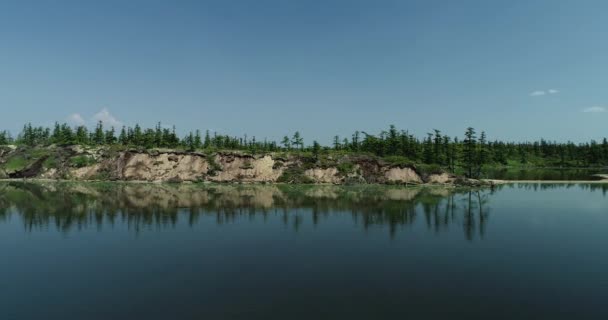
[74, 206]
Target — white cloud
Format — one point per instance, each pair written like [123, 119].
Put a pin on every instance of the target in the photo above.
[76, 118]
[103, 115]
[594, 109]
[107, 118]
[539, 93]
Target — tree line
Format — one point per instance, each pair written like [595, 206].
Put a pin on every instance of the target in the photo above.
[470, 153]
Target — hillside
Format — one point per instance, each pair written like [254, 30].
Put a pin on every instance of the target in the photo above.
[166, 165]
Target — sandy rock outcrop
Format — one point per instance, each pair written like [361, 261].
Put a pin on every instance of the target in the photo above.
[163, 167]
[324, 175]
[442, 178]
[245, 169]
[402, 175]
[84, 173]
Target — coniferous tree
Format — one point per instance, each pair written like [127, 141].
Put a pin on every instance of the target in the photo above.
[438, 156]
[316, 148]
[122, 138]
[286, 143]
[469, 155]
[197, 140]
[355, 141]
[207, 142]
[82, 135]
[297, 140]
[428, 154]
[110, 136]
[99, 137]
[336, 143]
[482, 155]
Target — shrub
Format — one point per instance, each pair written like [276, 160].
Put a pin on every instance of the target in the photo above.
[430, 169]
[82, 161]
[345, 168]
[399, 161]
[214, 167]
[295, 175]
[50, 162]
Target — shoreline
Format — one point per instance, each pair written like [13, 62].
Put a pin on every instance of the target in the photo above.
[604, 181]
[489, 182]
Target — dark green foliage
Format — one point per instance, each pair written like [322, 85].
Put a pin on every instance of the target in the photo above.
[470, 154]
[297, 140]
[316, 149]
[5, 138]
[427, 169]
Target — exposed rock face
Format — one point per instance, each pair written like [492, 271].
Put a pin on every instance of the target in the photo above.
[320, 175]
[402, 175]
[81, 163]
[163, 167]
[442, 178]
[84, 173]
[243, 168]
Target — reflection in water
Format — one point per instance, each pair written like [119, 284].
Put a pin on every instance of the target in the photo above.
[69, 206]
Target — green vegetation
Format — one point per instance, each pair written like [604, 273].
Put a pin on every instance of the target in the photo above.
[82, 161]
[15, 164]
[50, 162]
[295, 175]
[214, 167]
[469, 155]
[5, 137]
[345, 168]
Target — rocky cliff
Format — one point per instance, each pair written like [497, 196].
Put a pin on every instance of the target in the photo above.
[78, 163]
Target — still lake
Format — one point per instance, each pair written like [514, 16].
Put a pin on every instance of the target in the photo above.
[144, 251]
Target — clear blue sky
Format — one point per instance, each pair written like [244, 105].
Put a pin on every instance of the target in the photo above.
[518, 69]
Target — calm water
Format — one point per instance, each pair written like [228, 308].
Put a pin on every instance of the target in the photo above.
[129, 251]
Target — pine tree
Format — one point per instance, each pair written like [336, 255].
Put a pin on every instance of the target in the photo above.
[482, 156]
[428, 153]
[82, 135]
[469, 152]
[297, 140]
[286, 143]
[110, 136]
[137, 136]
[438, 155]
[336, 143]
[122, 138]
[355, 141]
[316, 148]
[197, 140]
[98, 137]
[207, 142]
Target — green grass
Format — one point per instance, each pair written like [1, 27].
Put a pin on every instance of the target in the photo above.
[16, 163]
[50, 162]
[82, 161]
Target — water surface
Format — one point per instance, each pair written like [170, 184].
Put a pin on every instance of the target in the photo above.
[140, 251]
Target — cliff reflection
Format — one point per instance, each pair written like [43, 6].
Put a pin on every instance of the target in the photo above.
[74, 206]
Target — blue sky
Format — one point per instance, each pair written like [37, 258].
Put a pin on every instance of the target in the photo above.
[519, 70]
